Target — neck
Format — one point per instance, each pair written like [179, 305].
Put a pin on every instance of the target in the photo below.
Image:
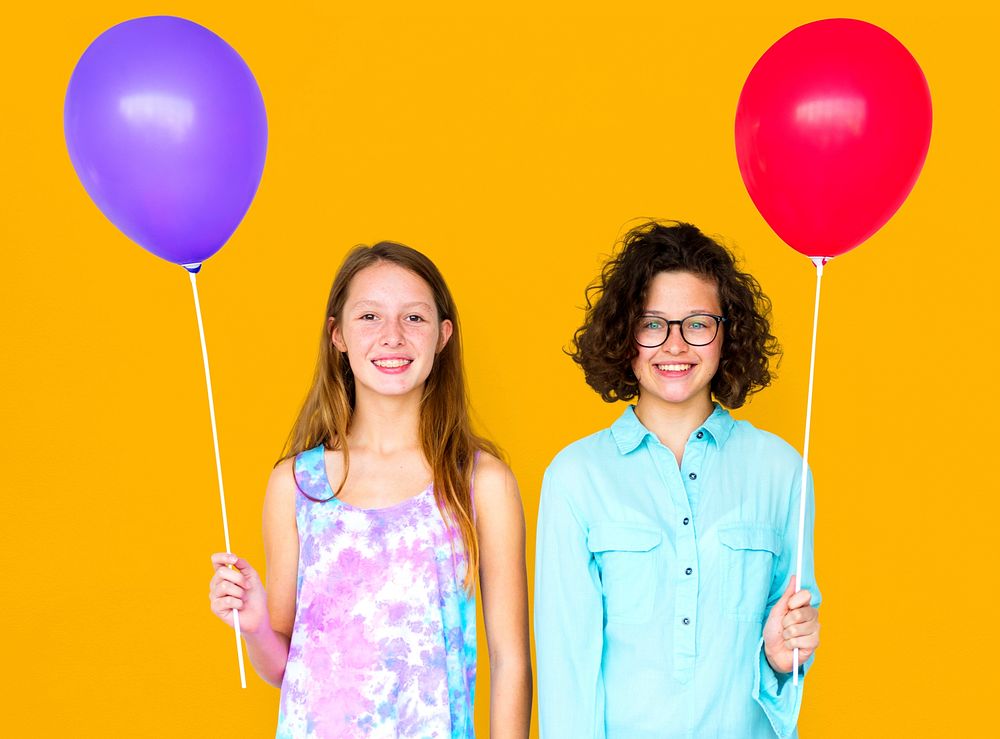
[672, 422]
[384, 423]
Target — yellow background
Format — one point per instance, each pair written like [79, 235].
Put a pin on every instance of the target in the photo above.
[512, 142]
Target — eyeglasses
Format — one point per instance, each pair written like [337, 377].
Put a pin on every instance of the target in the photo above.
[699, 329]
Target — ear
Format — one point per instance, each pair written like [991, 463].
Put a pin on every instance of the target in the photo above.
[446, 330]
[335, 334]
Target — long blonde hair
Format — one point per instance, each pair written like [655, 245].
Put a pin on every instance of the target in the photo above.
[446, 435]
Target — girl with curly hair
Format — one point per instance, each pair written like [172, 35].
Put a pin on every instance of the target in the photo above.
[665, 603]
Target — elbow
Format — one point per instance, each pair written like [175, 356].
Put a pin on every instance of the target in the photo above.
[511, 667]
[275, 679]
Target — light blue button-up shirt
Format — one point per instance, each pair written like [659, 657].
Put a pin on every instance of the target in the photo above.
[653, 582]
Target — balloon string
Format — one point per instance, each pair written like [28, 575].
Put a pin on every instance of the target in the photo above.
[218, 464]
[819, 262]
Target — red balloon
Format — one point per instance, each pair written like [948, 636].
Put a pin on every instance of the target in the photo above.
[832, 128]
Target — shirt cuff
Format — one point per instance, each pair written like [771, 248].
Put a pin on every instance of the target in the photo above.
[775, 693]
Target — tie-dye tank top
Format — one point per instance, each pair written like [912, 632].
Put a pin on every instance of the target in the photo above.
[384, 641]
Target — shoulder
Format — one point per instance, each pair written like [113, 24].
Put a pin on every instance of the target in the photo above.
[491, 476]
[583, 454]
[582, 472]
[283, 474]
[764, 447]
[281, 485]
[279, 503]
[495, 490]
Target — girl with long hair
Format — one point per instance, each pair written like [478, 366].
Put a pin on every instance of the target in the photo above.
[379, 518]
[665, 603]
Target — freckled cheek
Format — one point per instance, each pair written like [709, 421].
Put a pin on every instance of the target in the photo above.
[422, 335]
[360, 335]
[640, 365]
[418, 329]
[357, 362]
[711, 364]
[636, 370]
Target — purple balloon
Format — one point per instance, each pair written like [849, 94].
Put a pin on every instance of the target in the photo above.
[166, 129]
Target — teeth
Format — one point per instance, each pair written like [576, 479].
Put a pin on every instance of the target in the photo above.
[673, 367]
[391, 363]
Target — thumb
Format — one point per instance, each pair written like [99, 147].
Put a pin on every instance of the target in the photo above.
[245, 569]
[238, 563]
[781, 607]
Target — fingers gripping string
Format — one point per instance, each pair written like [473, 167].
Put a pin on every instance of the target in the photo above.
[192, 272]
[819, 262]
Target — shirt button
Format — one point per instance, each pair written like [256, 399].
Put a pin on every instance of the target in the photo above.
[700, 434]
[687, 521]
[685, 621]
[693, 476]
[688, 571]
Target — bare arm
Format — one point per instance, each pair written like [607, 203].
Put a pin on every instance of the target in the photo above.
[503, 583]
[266, 617]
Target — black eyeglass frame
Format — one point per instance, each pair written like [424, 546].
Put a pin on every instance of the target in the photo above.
[719, 320]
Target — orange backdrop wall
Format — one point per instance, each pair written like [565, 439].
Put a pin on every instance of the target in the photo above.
[512, 142]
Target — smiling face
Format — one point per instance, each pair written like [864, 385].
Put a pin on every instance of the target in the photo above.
[675, 373]
[390, 329]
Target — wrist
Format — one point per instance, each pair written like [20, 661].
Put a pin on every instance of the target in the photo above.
[778, 662]
[254, 631]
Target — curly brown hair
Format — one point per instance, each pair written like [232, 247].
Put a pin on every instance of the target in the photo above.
[604, 346]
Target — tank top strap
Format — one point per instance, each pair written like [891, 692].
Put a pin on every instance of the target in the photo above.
[310, 473]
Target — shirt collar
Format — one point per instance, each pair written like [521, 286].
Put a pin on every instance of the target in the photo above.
[629, 433]
[719, 425]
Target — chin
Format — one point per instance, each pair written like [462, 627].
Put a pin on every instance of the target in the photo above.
[378, 386]
[675, 396]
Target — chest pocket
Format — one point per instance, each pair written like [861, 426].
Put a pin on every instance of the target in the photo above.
[626, 555]
[750, 554]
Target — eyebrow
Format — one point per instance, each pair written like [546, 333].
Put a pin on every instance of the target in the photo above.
[376, 304]
[695, 311]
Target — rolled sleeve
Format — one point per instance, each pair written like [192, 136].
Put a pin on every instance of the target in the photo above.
[773, 691]
[776, 695]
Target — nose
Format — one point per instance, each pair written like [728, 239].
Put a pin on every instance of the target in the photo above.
[675, 343]
[392, 334]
